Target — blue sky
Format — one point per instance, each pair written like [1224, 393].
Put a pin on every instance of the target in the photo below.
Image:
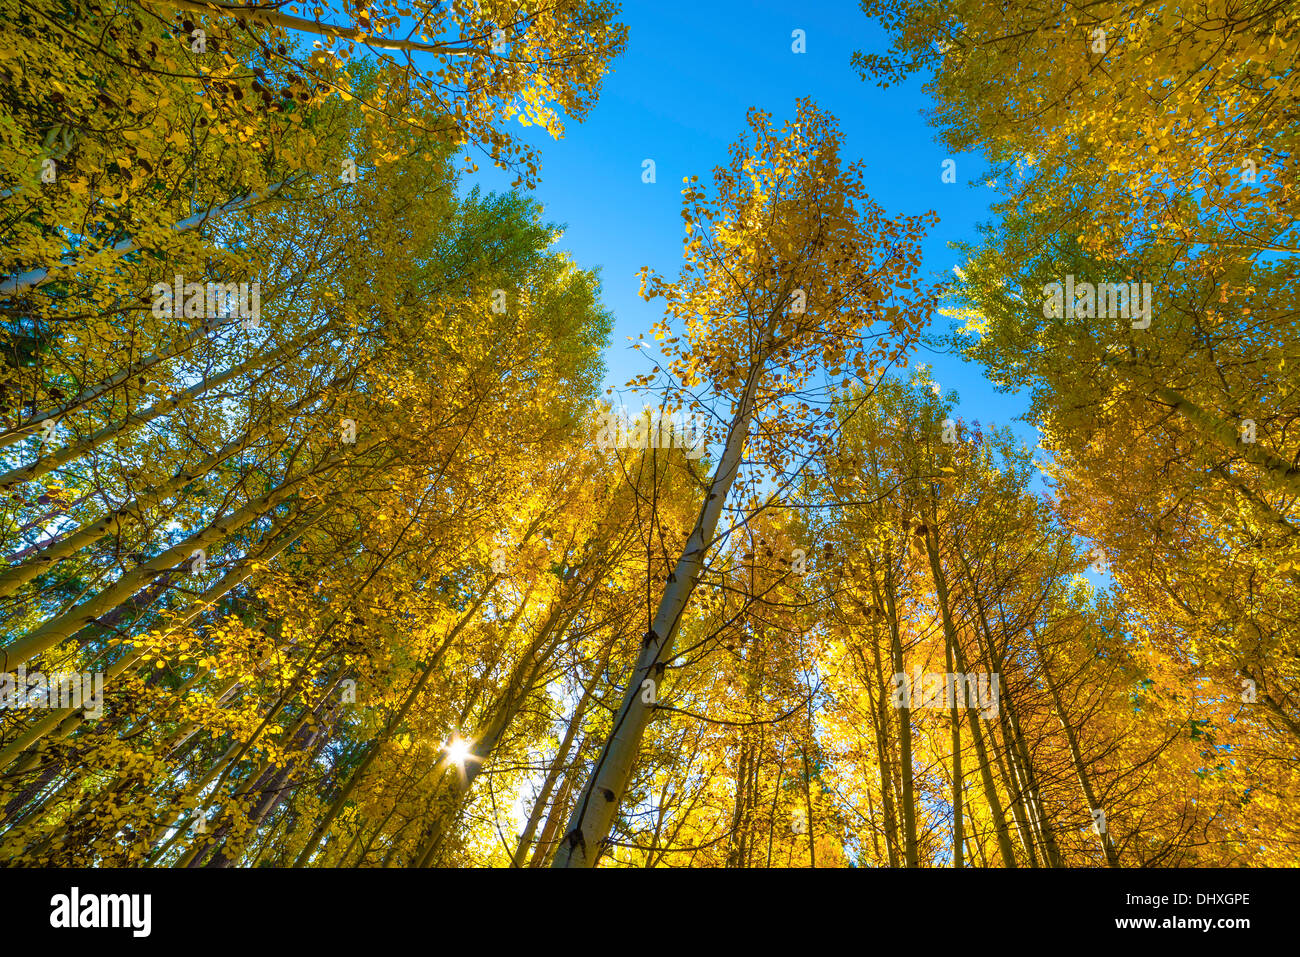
[679, 96]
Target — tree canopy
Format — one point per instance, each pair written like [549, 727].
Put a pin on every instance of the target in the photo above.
[323, 546]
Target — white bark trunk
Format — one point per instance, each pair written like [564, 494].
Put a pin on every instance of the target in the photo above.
[594, 813]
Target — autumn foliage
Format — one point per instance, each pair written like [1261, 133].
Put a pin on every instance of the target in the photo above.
[347, 580]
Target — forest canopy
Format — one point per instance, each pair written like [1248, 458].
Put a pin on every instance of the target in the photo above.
[326, 542]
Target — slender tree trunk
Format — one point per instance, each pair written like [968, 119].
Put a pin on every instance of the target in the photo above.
[44, 559]
[34, 277]
[599, 800]
[954, 716]
[1282, 473]
[275, 792]
[738, 806]
[23, 429]
[911, 853]
[986, 776]
[1015, 800]
[1017, 752]
[56, 630]
[373, 751]
[776, 797]
[557, 766]
[807, 796]
[519, 686]
[1076, 755]
[550, 837]
[884, 752]
[76, 450]
[67, 720]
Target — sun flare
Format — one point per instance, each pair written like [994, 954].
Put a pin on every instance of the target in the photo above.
[458, 751]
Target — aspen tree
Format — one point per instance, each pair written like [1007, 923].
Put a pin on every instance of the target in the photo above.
[786, 216]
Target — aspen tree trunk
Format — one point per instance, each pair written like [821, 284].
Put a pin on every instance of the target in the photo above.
[807, 796]
[500, 652]
[481, 748]
[56, 630]
[1076, 755]
[954, 717]
[62, 720]
[272, 839]
[739, 843]
[1035, 795]
[958, 795]
[548, 785]
[370, 842]
[557, 765]
[222, 694]
[881, 732]
[393, 845]
[1223, 433]
[1017, 753]
[875, 837]
[71, 452]
[303, 729]
[884, 752]
[29, 793]
[1014, 800]
[1000, 827]
[1025, 791]
[255, 780]
[979, 839]
[21, 431]
[911, 854]
[776, 796]
[265, 780]
[1278, 711]
[276, 791]
[986, 775]
[373, 751]
[177, 743]
[1003, 756]
[748, 819]
[67, 720]
[1021, 790]
[748, 824]
[1272, 514]
[42, 521]
[159, 832]
[741, 827]
[599, 800]
[519, 686]
[76, 802]
[15, 577]
[34, 277]
[551, 833]
[738, 806]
